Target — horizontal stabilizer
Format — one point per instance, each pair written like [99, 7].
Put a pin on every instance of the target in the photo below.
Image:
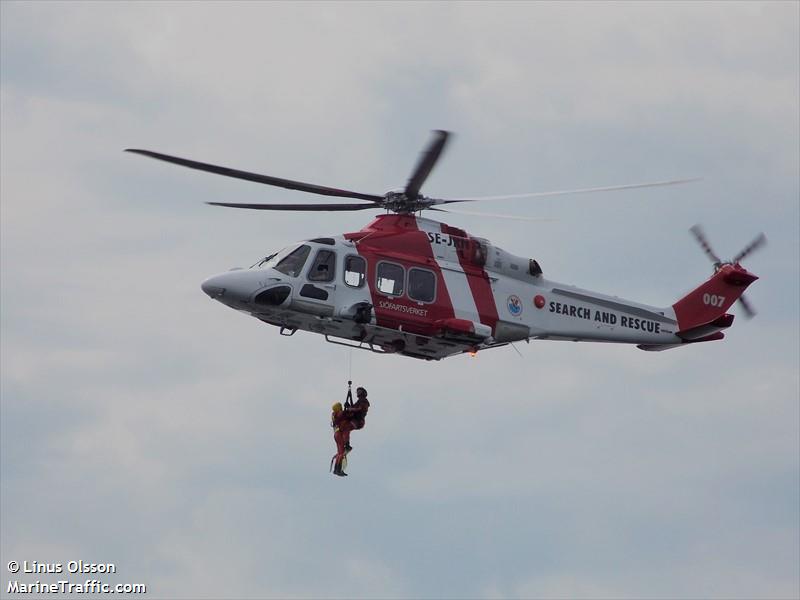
[659, 347]
[701, 331]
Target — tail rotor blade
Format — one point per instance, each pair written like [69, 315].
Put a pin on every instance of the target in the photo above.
[760, 240]
[700, 236]
[425, 164]
[747, 308]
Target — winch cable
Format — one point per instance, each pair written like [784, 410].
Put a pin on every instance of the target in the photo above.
[349, 400]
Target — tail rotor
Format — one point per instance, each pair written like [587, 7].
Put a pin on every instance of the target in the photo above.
[749, 312]
[700, 236]
[758, 242]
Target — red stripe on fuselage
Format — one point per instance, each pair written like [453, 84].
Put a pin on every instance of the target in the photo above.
[398, 239]
[478, 280]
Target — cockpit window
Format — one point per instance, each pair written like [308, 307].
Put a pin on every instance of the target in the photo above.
[269, 262]
[292, 263]
[324, 267]
[264, 261]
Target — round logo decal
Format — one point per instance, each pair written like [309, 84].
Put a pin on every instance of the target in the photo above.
[514, 305]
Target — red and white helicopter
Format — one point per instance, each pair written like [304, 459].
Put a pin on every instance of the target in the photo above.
[413, 286]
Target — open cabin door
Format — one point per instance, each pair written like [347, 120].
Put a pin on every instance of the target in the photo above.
[317, 290]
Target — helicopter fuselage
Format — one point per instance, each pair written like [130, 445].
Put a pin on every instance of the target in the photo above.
[424, 289]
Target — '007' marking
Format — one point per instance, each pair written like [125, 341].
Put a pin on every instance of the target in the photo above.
[713, 300]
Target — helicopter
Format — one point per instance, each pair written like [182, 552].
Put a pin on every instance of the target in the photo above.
[409, 285]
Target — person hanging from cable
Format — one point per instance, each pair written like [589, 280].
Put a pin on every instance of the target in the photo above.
[356, 413]
[338, 420]
[343, 420]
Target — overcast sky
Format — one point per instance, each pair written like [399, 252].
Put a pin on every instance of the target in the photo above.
[146, 425]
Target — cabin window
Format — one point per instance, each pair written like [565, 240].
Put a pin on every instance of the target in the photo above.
[324, 266]
[355, 271]
[292, 263]
[421, 285]
[390, 279]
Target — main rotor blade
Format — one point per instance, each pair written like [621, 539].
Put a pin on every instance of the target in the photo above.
[492, 215]
[748, 310]
[577, 191]
[700, 236]
[425, 164]
[266, 179]
[309, 207]
[760, 240]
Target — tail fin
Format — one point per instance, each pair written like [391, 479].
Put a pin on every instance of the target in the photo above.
[713, 298]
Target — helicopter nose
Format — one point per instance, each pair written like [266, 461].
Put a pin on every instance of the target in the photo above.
[233, 286]
[213, 286]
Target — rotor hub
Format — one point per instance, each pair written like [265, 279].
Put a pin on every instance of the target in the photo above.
[399, 202]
